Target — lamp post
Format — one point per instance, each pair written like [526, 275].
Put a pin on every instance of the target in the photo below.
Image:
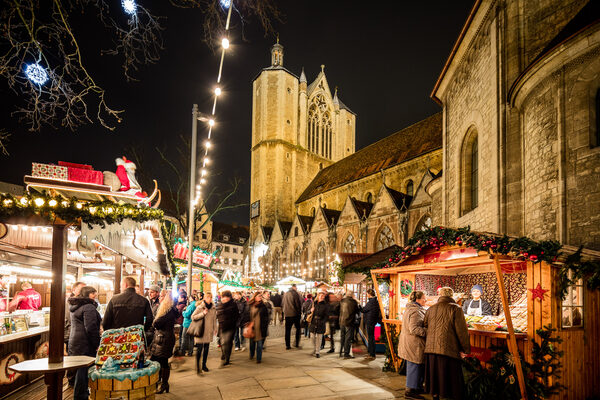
[192, 219]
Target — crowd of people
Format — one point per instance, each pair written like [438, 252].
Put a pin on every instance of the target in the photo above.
[197, 319]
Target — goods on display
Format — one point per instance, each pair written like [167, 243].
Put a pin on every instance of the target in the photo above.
[125, 346]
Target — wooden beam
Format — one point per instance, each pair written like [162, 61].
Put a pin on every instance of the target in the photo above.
[512, 340]
[387, 326]
[118, 272]
[56, 330]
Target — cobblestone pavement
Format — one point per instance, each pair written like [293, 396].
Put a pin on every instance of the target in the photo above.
[285, 374]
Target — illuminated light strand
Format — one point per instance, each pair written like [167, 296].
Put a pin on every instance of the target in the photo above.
[225, 44]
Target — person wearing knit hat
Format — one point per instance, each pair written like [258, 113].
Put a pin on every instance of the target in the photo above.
[477, 305]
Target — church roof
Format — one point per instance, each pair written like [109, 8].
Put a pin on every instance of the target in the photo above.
[306, 222]
[285, 227]
[331, 216]
[410, 142]
[401, 200]
[362, 208]
[267, 231]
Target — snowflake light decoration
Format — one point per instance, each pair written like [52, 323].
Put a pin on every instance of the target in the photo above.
[129, 6]
[36, 73]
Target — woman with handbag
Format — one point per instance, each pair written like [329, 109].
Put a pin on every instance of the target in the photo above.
[319, 315]
[203, 327]
[257, 329]
[161, 348]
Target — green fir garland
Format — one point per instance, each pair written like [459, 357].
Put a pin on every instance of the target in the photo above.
[73, 211]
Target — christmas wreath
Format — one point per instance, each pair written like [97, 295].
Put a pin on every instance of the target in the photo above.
[406, 287]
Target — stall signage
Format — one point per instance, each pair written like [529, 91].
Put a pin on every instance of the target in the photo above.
[449, 255]
[483, 355]
[199, 256]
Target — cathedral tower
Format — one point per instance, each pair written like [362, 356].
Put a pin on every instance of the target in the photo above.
[296, 131]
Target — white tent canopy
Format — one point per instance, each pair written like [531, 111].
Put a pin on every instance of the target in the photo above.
[288, 281]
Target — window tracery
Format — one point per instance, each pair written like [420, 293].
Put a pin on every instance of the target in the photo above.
[385, 238]
[320, 132]
[350, 244]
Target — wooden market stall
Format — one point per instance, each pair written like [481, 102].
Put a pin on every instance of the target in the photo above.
[525, 287]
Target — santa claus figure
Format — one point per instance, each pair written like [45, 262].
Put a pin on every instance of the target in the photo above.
[126, 174]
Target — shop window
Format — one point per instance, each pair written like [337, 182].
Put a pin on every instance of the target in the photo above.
[469, 173]
[410, 188]
[572, 306]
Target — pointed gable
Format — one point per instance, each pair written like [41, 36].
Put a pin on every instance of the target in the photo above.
[325, 219]
[401, 200]
[421, 197]
[389, 201]
[281, 230]
[362, 208]
[355, 210]
[266, 232]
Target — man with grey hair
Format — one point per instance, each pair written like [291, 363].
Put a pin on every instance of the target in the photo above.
[447, 341]
[349, 309]
[153, 293]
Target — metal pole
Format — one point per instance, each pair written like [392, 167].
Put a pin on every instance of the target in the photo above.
[191, 221]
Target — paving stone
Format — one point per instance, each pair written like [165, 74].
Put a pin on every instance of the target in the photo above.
[330, 374]
[288, 382]
[397, 382]
[311, 392]
[244, 389]
[349, 384]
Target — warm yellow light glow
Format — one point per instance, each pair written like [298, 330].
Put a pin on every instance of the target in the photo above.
[52, 203]
[218, 91]
[203, 181]
[203, 172]
[39, 202]
[79, 206]
[207, 144]
[206, 160]
[24, 201]
[92, 210]
[225, 43]
[211, 122]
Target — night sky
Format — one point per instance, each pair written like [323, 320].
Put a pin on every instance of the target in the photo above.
[383, 56]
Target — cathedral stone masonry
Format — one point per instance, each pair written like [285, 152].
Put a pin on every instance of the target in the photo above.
[515, 150]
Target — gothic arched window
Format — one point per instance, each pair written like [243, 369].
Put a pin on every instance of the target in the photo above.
[297, 263]
[320, 133]
[369, 197]
[424, 224]
[320, 259]
[384, 239]
[350, 244]
[410, 188]
[469, 173]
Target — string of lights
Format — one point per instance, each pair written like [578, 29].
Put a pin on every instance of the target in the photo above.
[226, 4]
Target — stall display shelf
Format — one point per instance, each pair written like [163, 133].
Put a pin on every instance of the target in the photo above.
[22, 335]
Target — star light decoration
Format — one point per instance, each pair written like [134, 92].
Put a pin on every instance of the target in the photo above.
[36, 74]
[538, 292]
[129, 6]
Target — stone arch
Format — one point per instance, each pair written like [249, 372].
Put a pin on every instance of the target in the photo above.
[409, 188]
[424, 223]
[349, 245]
[469, 171]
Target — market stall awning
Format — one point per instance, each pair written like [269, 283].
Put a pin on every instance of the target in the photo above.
[350, 258]
[371, 259]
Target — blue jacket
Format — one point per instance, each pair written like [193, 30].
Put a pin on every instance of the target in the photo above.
[187, 314]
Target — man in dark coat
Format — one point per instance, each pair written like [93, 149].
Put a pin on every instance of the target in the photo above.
[333, 321]
[153, 294]
[84, 337]
[292, 307]
[228, 316]
[277, 311]
[371, 316]
[242, 305]
[348, 310]
[128, 309]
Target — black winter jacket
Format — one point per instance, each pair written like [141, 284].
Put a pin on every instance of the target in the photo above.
[348, 309]
[127, 309]
[227, 315]
[84, 337]
[164, 334]
[371, 312]
[276, 299]
[242, 306]
[320, 317]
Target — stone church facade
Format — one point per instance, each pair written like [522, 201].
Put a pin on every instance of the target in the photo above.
[515, 150]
